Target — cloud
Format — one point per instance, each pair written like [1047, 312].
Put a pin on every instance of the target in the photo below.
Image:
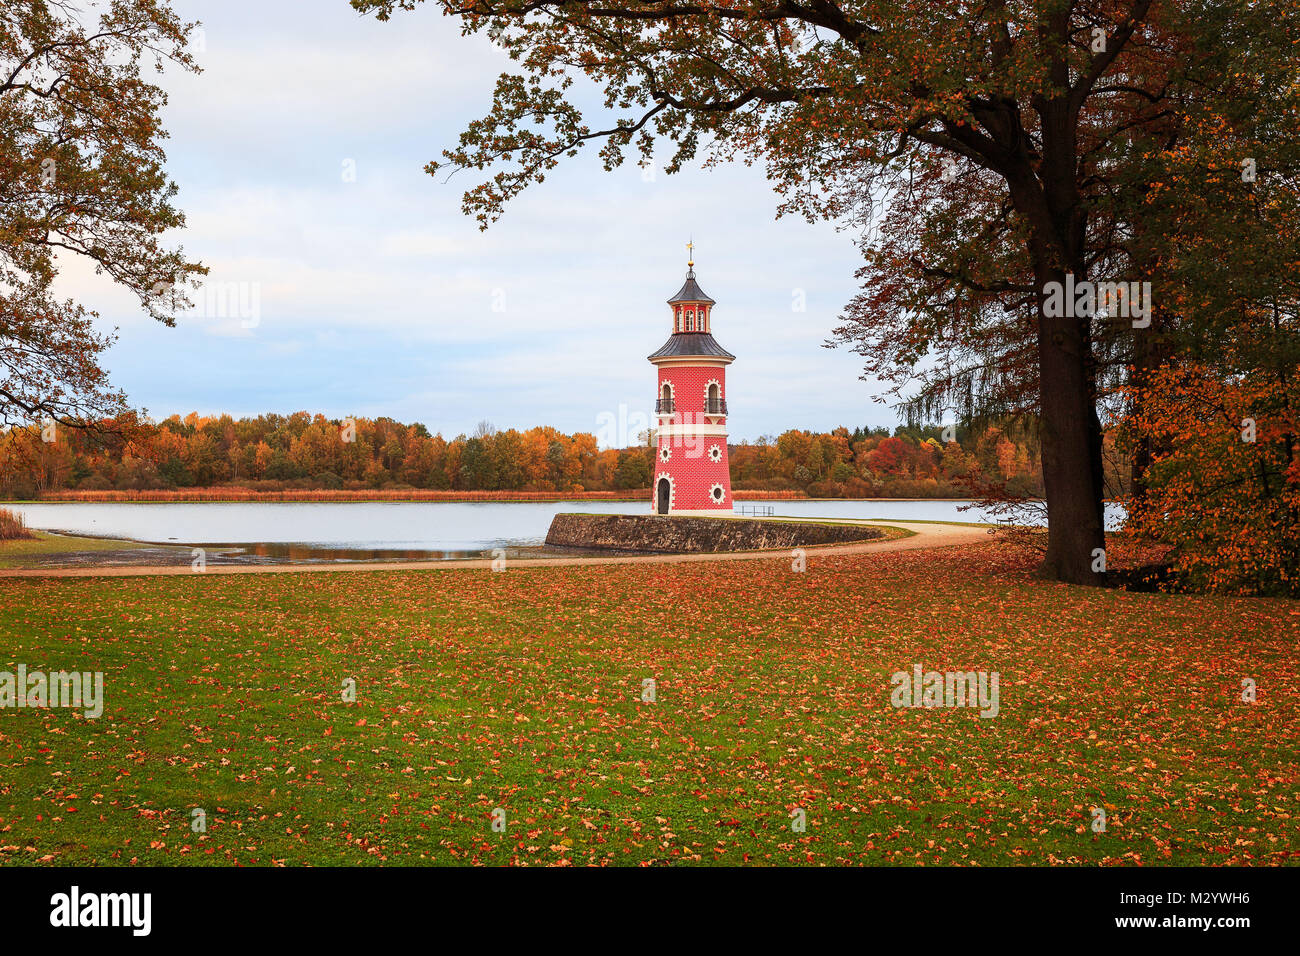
[378, 296]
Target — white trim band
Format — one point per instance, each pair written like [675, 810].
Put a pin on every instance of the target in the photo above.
[692, 430]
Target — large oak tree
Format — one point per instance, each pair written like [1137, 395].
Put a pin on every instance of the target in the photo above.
[1036, 105]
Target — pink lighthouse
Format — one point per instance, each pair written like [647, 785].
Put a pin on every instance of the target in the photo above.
[691, 471]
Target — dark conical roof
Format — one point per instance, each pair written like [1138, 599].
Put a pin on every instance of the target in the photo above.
[690, 292]
[686, 344]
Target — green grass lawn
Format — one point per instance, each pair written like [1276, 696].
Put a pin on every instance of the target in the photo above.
[522, 690]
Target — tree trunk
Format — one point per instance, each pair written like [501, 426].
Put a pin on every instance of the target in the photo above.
[1073, 474]
[1071, 448]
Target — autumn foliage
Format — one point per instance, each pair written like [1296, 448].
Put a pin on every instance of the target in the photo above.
[82, 180]
[304, 457]
[1225, 486]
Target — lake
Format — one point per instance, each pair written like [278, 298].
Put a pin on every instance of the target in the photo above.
[406, 529]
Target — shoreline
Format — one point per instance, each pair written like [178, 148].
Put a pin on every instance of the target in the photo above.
[907, 538]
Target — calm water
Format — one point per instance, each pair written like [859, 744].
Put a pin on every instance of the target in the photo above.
[357, 530]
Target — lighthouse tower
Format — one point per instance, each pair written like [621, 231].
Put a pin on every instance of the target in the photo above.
[691, 471]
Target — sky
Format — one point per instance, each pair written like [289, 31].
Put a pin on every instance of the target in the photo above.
[353, 285]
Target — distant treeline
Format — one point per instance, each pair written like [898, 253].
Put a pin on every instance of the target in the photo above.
[303, 452]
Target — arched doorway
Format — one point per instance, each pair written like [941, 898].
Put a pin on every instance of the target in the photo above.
[664, 496]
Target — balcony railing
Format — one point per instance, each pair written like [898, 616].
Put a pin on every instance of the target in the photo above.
[666, 406]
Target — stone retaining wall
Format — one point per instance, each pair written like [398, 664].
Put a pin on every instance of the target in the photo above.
[670, 535]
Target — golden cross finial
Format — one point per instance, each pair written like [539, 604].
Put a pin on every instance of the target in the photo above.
[690, 252]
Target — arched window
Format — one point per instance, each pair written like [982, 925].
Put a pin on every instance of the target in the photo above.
[703, 326]
[677, 319]
[690, 320]
[666, 399]
[714, 406]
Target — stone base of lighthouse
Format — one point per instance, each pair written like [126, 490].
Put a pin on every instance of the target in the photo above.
[692, 476]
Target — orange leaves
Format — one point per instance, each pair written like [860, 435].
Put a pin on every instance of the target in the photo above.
[523, 691]
[1222, 487]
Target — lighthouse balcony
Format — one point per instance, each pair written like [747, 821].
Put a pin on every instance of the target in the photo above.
[666, 406]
